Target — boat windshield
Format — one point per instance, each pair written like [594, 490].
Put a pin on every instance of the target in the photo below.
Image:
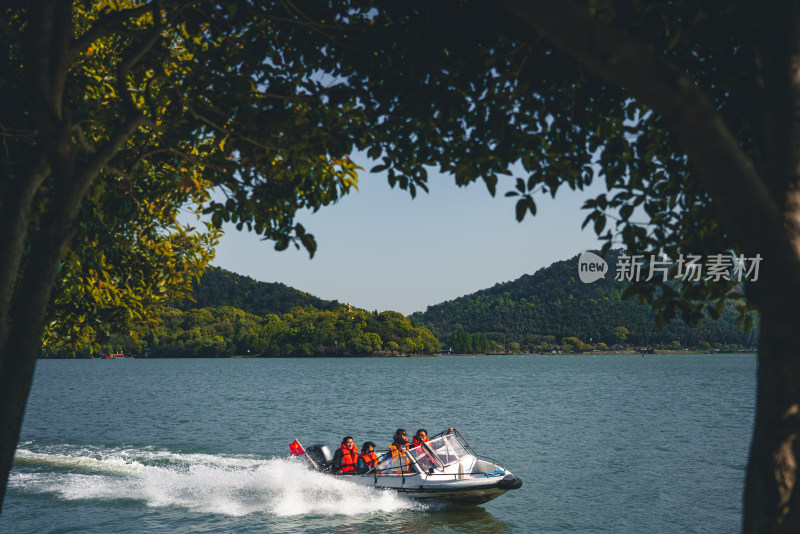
[446, 449]
[436, 453]
[424, 457]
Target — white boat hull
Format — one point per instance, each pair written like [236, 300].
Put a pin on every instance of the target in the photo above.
[468, 490]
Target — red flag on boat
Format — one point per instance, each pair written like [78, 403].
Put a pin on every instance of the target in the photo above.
[296, 449]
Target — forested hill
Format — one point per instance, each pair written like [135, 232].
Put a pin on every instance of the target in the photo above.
[553, 304]
[219, 287]
[236, 315]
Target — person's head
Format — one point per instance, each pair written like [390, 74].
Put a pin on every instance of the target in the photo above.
[400, 432]
[348, 442]
[421, 434]
[368, 447]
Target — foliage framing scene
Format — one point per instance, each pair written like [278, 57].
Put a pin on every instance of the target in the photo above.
[117, 114]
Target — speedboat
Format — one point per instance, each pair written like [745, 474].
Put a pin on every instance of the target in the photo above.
[443, 469]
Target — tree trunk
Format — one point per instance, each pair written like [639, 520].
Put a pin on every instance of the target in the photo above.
[26, 283]
[17, 363]
[772, 495]
[22, 344]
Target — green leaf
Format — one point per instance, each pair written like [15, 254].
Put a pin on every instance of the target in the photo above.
[309, 243]
[491, 183]
[531, 205]
[521, 208]
[599, 224]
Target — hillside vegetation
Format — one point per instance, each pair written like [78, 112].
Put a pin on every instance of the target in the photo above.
[232, 315]
[552, 307]
[219, 287]
[227, 331]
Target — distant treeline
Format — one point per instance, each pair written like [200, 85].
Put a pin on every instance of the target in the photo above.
[551, 308]
[227, 331]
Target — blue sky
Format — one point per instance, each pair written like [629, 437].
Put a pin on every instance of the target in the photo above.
[380, 250]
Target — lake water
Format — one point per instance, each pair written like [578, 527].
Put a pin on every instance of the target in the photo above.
[608, 443]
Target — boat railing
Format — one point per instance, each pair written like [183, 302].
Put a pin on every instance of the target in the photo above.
[492, 461]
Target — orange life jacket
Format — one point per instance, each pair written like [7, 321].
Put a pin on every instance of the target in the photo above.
[416, 443]
[349, 459]
[369, 458]
[404, 463]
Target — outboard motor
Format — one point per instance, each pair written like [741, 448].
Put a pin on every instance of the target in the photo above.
[321, 455]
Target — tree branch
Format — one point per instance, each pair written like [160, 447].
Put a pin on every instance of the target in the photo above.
[230, 132]
[15, 213]
[198, 161]
[81, 138]
[107, 25]
[102, 157]
[60, 59]
[137, 54]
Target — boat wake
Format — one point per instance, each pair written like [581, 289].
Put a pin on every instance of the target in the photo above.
[229, 485]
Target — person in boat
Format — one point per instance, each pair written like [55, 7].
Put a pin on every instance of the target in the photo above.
[398, 450]
[420, 437]
[345, 459]
[399, 432]
[367, 459]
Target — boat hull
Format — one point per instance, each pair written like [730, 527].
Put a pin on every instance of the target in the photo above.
[469, 490]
